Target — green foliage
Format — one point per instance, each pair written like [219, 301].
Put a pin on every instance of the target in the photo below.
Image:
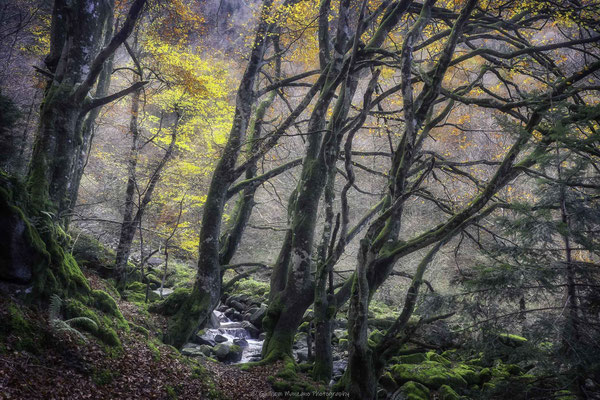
[60, 325]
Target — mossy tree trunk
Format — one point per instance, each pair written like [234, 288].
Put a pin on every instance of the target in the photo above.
[207, 286]
[385, 230]
[74, 65]
[291, 280]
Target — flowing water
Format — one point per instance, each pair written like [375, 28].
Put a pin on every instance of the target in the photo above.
[233, 331]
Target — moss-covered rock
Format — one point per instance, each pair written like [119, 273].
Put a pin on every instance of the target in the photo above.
[430, 373]
[387, 382]
[108, 336]
[433, 356]
[104, 302]
[414, 358]
[468, 374]
[171, 304]
[414, 391]
[447, 393]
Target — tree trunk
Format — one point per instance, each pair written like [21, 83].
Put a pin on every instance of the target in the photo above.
[129, 225]
[207, 287]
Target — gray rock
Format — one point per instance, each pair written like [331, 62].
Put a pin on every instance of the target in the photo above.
[238, 306]
[258, 315]
[206, 350]
[240, 342]
[194, 351]
[252, 330]
[221, 351]
[220, 339]
[203, 339]
[227, 353]
[262, 336]
[236, 316]
[213, 321]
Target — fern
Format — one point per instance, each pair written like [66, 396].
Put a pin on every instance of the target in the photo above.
[60, 325]
[55, 306]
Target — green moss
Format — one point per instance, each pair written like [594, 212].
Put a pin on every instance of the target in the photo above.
[141, 330]
[172, 303]
[414, 391]
[186, 318]
[376, 336]
[447, 393]
[26, 336]
[281, 386]
[429, 373]
[103, 377]
[251, 287]
[485, 375]
[378, 309]
[75, 308]
[433, 356]
[468, 374]
[304, 326]
[415, 358]
[108, 336]
[512, 340]
[155, 351]
[564, 395]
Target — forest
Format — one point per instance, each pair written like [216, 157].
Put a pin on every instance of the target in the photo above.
[300, 199]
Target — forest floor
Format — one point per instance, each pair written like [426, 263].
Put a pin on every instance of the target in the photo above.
[58, 365]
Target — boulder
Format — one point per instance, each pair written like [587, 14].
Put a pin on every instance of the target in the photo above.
[221, 350]
[257, 316]
[236, 316]
[240, 342]
[412, 390]
[206, 349]
[229, 313]
[201, 339]
[220, 339]
[252, 330]
[262, 336]
[226, 353]
[213, 321]
[192, 351]
[238, 306]
[429, 373]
